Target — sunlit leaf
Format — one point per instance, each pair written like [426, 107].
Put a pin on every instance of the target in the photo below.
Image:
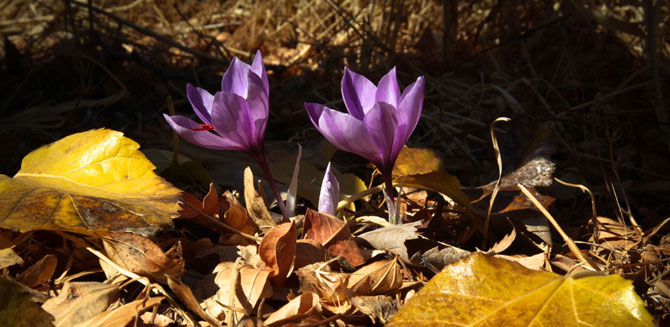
[414, 161]
[86, 182]
[485, 291]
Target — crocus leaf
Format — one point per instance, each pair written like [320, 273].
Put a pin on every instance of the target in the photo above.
[310, 177]
[88, 182]
[486, 291]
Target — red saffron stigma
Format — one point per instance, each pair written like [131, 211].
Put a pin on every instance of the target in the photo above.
[205, 127]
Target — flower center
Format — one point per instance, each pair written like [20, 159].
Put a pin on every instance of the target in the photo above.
[204, 127]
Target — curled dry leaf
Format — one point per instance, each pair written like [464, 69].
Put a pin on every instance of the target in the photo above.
[303, 305]
[334, 235]
[40, 272]
[143, 257]
[208, 205]
[89, 182]
[255, 206]
[80, 301]
[277, 250]
[378, 277]
[235, 215]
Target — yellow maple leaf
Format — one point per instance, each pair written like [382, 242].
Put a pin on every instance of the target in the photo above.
[487, 291]
[88, 182]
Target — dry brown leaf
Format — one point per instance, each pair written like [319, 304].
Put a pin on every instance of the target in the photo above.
[437, 258]
[505, 242]
[378, 277]
[303, 305]
[142, 256]
[210, 203]
[186, 211]
[251, 285]
[277, 250]
[331, 287]
[9, 258]
[40, 272]
[156, 320]
[18, 308]
[186, 296]
[334, 235]
[235, 215]
[310, 251]
[122, 315]
[534, 262]
[393, 238]
[380, 307]
[614, 235]
[80, 301]
[255, 206]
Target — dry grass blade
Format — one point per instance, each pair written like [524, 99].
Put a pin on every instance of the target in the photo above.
[496, 149]
[571, 244]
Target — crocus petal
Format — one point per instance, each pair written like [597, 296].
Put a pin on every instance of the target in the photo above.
[184, 127]
[259, 69]
[348, 134]
[382, 124]
[314, 111]
[358, 93]
[330, 193]
[235, 78]
[409, 108]
[388, 90]
[230, 117]
[201, 101]
[259, 106]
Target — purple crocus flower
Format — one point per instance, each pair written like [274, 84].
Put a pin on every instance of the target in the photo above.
[380, 121]
[330, 193]
[237, 115]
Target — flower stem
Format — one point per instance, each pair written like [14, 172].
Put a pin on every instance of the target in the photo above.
[262, 162]
[388, 183]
